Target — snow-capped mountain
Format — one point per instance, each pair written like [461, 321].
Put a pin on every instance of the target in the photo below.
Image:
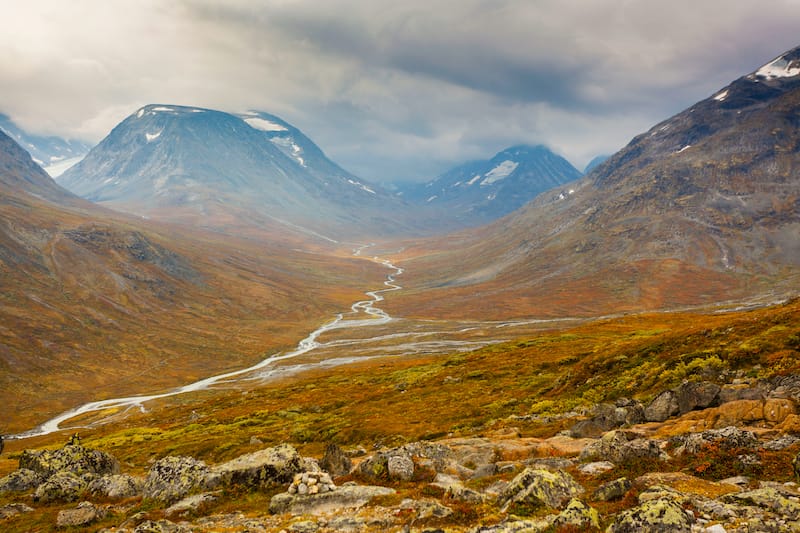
[54, 154]
[481, 191]
[208, 166]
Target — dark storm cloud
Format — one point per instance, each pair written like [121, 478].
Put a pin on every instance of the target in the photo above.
[389, 89]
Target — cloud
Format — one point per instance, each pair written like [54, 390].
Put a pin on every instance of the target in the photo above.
[391, 90]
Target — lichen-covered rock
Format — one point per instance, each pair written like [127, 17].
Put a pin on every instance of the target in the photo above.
[83, 515]
[613, 490]
[540, 488]
[70, 458]
[116, 486]
[14, 509]
[172, 478]
[621, 446]
[729, 438]
[579, 515]
[425, 509]
[400, 467]
[262, 469]
[517, 526]
[191, 503]
[62, 487]
[653, 516]
[662, 407]
[20, 481]
[162, 526]
[767, 498]
[609, 416]
[348, 496]
[596, 468]
[335, 461]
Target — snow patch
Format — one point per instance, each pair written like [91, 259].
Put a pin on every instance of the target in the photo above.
[779, 68]
[361, 186]
[56, 169]
[163, 109]
[432, 198]
[152, 136]
[501, 171]
[684, 148]
[262, 124]
[140, 114]
[720, 97]
[473, 180]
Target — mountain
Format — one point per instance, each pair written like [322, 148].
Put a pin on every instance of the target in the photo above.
[95, 302]
[481, 191]
[595, 162]
[52, 153]
[702, 208]
[222, 170]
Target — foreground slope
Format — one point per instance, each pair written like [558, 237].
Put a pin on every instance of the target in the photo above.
[704, 207]
[227, 172]
[482, 191]
[95, 303]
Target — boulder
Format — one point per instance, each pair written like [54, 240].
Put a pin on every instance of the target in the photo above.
[262, 469]
[161, 526]
[596, 468]
[172, 478]
[116, 486]
[70, 458]
[14, 509]
[335, 461]
[767, 498]
[20, 481]
[662, 407]
[191, 504]
[348, 496]
[62, 487]
[540, 488]
[425, 509]
[391, 465]
[608, 416]
[578, 515]
[517, 526]
[83, 515]
[653, 516]
[692, 395]
[620, 446]
[400, 467]
[613, 490]
[729, 438]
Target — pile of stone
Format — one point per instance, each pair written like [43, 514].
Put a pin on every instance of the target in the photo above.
[311, 483]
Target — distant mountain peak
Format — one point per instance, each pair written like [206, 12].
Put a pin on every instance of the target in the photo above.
[784, 66]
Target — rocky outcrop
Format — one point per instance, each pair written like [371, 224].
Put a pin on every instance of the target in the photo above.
[172, 478]
[728, 438]
[116, 486]
[619, 446]
[653, 516]
[540, 488]
[262, 469]
[335, 461]
[578, 515]
[612, 490]
[70, 458]
[20, 481]
[662, 407]
[607, 416]
[62, 487]
[14, 509]
[348, 496]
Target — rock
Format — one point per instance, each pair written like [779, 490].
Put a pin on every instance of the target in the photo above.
[83, 515]
[781, 443]
[578, 515]
[162, 526]
[311, 483]
[596, 468]
[653, 516]
[621, 446]
[61, 487]
[335, 461]
[716, 528]
[172, 478]
[261, 469]
[116, 486]
[613, 490]
[484, 471]
[796, 466]
[729, 438]
[70, 458]
[13, 509]
[352, 496]
[662, 407]
[346, 523]
[304, 526]
[540, 488]
[425, 509]
[551, 463]
[609, 416]
[20, 481]
[191, 504]
[400, 467]
[692, 395]
[517, 526]
[767, 498]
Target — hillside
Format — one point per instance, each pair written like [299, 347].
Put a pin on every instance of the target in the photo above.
[95, 303]
[701, 208]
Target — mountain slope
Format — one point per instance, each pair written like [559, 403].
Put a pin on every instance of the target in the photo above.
[702, 208]
[96, 303]
[220, 170]
[481, 191]
[46, 151]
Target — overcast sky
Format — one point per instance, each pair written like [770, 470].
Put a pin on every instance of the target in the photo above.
[390, 89]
